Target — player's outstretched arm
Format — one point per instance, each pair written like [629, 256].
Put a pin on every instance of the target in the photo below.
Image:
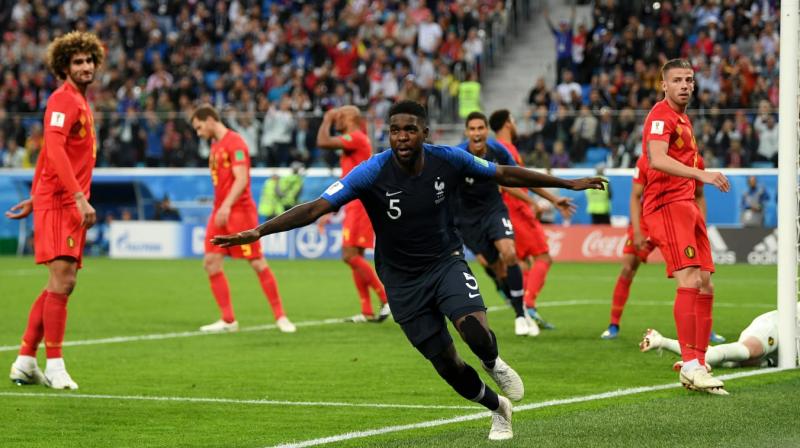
[661, 161]
[20, 210]
[514, 176]
[293, 218]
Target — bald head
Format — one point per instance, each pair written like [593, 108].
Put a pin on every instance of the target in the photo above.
[348, 118]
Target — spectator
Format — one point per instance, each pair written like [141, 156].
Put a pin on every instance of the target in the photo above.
[291, 185]
[768, 140]
[277, 136]
[598, 202]
[753, 202]
[560, 157]
[429, 35]
[567, 88]
[538, 158]
[563, 38]
[584, 132]
[469, 96]
[14, 156]
[165, 211]
[270, 204]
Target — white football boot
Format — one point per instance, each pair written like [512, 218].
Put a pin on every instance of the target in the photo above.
[521, 326]
[26, 373]
[285, 325]
[56, 376]
[384, 313]
[652, 340]
[700, 380]
[220, 326]
[501, 420]
[507, 379]
[533, 327]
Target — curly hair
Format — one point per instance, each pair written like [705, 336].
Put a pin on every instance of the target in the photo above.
[61, 50]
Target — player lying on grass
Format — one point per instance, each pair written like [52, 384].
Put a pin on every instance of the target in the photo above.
[757, 344]
[407, 193]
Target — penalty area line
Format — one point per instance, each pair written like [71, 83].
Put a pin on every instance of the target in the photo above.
[517, 409]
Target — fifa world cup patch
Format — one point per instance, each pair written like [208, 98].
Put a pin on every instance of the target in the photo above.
[70, 242]
[657, 127]
[689, 251]
[57, 119]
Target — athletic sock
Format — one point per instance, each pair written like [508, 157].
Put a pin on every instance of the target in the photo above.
[222, 294]
[621, 292]
[671, 345]
[363, 293]
[361, 266]
[718, 354]
[498, 284]
[470, 386]
[703, 308]
[515, 289]
[536, 277]
[684, 314]
[35, 329]
[54, 319]
[270, 288]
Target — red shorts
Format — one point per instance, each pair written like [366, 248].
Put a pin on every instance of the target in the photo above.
[241, 218]
[529, 236]
[642, 254]
[679, 231]
[357, 228]
[58, 233]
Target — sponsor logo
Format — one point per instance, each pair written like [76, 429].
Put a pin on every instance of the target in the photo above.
[393, 194]
[765, 252]
[472, 295]
[598, 244]
[57, 119]
[719, 248]
[689, 251]
[657, 127]
[310, 243]
[124, 243]
[334, 188]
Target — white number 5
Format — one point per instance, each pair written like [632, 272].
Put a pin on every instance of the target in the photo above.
[470, 281]
[394, 211]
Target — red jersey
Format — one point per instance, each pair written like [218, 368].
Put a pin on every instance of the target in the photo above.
[357, 149]
[664, 124]
[229, 151]
[515, 205]
[69, 152]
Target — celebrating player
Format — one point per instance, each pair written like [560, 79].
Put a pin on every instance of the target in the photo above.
[757, 344]
[357, 234]
[483, 220]
[234, 210]
[407, 193]
[531, 241]
[60, 204]
[676, 224]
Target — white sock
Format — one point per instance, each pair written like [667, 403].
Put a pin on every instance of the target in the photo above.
[25, 361]
[718, 354]
[690, 365]
[671, 345]
[55, 364]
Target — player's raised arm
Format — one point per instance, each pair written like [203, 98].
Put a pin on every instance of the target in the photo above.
[514, 176]
[293, 218]
[324, 138]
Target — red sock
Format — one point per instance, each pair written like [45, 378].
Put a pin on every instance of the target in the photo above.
[35, 329]
[222, 294]
[270, 288]
[363, 293]
[536, 276]
[702, 310]
[684, 313]
[364, 269]
[621, 292]
[54, 318]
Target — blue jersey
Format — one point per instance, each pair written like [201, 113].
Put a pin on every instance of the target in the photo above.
[412, 215]
[481, 197]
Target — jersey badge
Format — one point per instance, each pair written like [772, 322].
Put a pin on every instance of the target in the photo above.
[334, 188]
[57, 119]
[238, 155]
[657, 127]
[438, 185]
[70, 242]
[689, 252]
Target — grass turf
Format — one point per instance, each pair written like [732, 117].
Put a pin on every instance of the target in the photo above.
[370, 364]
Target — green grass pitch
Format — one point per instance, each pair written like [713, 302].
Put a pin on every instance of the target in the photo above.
[327, 368]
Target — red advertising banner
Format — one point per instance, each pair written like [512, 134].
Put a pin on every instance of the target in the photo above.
[590, 243]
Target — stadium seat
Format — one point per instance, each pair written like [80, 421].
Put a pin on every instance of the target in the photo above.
[210, 78]
[596, 155]
[762, 165]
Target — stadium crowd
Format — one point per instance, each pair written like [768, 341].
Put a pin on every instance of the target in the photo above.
[609, 78]
[272, 66]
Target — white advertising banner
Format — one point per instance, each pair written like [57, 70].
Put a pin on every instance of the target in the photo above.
[146, 239]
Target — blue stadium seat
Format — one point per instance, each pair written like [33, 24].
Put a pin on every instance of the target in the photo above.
[585, 90]
[762, 165]
[596, 155]
[210, 78]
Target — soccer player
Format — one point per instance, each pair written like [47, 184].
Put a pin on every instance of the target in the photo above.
[757, 344]
[638, 247]
[234, 210]
[531, 241]
[407, 193]
[483, 220]
[60, 204]
[357, 234]
[675, 222]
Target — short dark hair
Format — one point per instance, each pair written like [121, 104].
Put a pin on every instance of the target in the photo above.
[498, 119]
[475, 115]
[205, 111]
[409, 107]
[674, 63]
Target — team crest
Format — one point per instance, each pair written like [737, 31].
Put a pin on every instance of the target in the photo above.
[771, 341]
[689, 252]
[70, 242]
[438, 185]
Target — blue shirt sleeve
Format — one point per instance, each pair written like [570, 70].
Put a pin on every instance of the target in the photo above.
[464, 161]
[356, 182]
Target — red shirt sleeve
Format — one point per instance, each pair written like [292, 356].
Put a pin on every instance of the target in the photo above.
[661, 126]
[59, 118]
[238, 152]
[350, 142]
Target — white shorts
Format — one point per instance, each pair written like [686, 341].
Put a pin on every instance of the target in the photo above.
[765, 329]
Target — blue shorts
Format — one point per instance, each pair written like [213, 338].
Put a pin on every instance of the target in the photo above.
[480, 235]
[421, 304]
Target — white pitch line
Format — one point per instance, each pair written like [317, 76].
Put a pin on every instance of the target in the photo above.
[517, 409]
[316, 323]
[234, 401]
